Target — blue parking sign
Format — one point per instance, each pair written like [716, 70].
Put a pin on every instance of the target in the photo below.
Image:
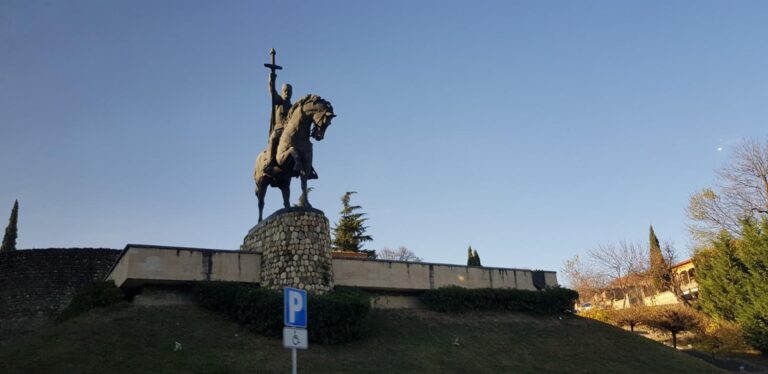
[295, 308]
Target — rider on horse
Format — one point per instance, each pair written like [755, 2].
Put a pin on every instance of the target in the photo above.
[289, 150]
[281, 104]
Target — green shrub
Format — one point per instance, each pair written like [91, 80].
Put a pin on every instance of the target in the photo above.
[94, 295]
[259, 309]
[332, 318]
[457, 299]
[599, 314]
[720, 336]
[337, 317]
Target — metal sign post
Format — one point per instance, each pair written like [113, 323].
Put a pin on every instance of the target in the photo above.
[295, 318]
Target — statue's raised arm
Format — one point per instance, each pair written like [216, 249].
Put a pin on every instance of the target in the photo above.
[281, 105]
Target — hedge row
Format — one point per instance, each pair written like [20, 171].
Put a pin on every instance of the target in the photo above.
[332, 318]
[94, 295]
[457, 299]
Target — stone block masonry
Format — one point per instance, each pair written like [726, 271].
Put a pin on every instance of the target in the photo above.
[295, 248]
[36, 284]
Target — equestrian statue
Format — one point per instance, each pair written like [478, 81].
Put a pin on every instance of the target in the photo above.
[289, 150]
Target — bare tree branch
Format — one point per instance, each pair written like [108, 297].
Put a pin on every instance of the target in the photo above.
[583, 277]
[619, 262]
[400, 254]
[741, 192]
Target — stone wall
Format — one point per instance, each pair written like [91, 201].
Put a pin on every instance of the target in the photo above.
[295, 246]
[37, 284]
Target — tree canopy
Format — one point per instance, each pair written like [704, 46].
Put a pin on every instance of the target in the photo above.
[349, 233]
[733, 280]
[473, 259]
[673, 319]
[660, 271]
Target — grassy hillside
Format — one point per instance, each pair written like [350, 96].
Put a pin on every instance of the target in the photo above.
[128, 339]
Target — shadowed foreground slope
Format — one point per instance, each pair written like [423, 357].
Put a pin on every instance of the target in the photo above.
[128, 339]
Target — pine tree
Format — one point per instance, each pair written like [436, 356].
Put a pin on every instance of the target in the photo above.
[660, 269]
[477, 258]
[720, 275]
[752, 312]
[733, 280]
[349, 233]
[11, 232]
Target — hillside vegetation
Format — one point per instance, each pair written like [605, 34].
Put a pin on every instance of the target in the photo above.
[132, 339]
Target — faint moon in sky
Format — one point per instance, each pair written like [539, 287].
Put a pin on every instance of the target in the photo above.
[719, 149]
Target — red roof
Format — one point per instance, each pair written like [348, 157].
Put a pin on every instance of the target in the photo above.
[684, 262]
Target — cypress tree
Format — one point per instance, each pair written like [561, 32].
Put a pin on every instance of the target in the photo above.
[472, 257]
[11, 232]
[660, 269]
[349, 233]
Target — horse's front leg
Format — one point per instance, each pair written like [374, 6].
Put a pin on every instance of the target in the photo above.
[304, 199]
[261, 191]
[285, 188]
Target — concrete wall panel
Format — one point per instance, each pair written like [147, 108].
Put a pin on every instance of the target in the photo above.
[140, 265]
[524, 280]
[395, 275]
[146, 264]
[551, 278]
[386, 275]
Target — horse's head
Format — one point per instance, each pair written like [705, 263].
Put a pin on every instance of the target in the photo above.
[322, 114]
[322, 121]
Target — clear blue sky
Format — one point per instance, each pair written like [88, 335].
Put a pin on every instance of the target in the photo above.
[530, 130]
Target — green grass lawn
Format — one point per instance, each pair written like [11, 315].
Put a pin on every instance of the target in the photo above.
[128, 339]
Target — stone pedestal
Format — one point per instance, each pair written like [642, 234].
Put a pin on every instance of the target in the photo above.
[295, 247]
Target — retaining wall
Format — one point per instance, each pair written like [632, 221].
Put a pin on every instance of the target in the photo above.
[147, 264]
[37, 284]
[419, 276]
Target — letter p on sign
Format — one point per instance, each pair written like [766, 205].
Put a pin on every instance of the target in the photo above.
[295, 308]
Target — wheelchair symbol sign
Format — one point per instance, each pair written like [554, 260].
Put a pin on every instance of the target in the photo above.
[295, 338]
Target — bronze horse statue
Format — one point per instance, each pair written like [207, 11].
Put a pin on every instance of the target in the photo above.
[294, 151]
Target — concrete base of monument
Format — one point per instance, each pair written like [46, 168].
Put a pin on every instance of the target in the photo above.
[295, 246]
